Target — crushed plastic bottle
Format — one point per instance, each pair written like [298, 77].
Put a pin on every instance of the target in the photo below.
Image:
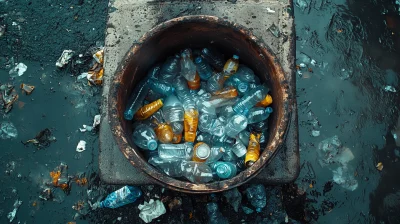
[170, 167]
[213, 57]
[203, 68]
[172, 109]
[250, 99]
[188, 68]
[145, 137]
[235, 125]
[120, 197]
[257, 114]
[196, 172]
[214, 215]
[176, 151]
[215, 83]
[257, 196]
[170, 69]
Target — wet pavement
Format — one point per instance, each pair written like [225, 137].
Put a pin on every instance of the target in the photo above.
[346, 56]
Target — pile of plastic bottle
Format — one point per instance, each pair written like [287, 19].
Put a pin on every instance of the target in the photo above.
[200, 117]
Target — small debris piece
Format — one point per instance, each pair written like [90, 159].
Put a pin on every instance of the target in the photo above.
[9, 96]
[81, 181]
[151, 210]
[8, 130]
[175, 203]
[81, 146]
[315, 133]
[2, 30]
[274, 30]
[43, 139]
[46, 194]
[95, 75]
[96, 122]
[64, 58]
[269, 10]
[27, 88]
[78, 206]
[19, 69]
[390, 89]
[60, 177]
[11, 215]
[99, 56]
[379, 166]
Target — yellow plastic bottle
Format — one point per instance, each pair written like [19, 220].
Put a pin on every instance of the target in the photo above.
[190, 121]
[164, 133]
[195, 84]
[231, 66]
[147, 110]
[226, 93]
[201, 152]
[265, 102]
[253, 150]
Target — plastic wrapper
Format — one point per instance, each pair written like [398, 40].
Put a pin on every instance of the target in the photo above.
[8, 130]
[19, 69]
[11, 215]
[64, 58]
[42, 139]
[95, 75]
[151, 210]
[81, 146]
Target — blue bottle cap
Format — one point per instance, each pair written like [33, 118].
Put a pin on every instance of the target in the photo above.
[242, 87]
[152, 144]
[235, 56]
[197, 60]
[269, 110]
[223, 171]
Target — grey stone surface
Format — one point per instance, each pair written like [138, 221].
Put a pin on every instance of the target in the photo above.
[130, 19]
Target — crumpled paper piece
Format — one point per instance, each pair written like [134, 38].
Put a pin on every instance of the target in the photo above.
[64, 58]
[96, 122]
[81, 146]
[151, 210]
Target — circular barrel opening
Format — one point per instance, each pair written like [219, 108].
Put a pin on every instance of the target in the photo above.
[197, 32]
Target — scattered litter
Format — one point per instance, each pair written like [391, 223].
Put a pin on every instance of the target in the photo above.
[234, 198]
[120, 197]
[11, 215]
[9, 96]
[99, 56]
[315, 133]
[274, 30]
[343, 177]
[379, 166]
[328, 149]
[269, 10]
[81, 207]
[46, 194]
[42, 139]
[257, 196]
[175, 203]
[81, 146]
[390, 89]
[151, 210]
[19, 70]
[95, 75]
[64, 58]
[96, 122]
[8, 130]
[313, 62]
[60, 177]
[27, 88]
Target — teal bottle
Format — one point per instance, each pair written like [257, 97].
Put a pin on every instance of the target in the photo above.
[224, 170]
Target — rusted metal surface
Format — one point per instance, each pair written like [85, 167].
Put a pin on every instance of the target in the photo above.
[198, 31]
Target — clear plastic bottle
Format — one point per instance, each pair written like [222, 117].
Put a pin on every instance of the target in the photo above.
[204, 137]
[235, 124]
[176, 151]
[231, 66]
[203, 68]
[201, 152]
[191, 120]
[188, 68]
[223, 141]
[121, 197]
[215, 83]
[229, 156]
[216, 154]
[164, 133]
[226, 93]
[239, 149]
[240, 86]
[186, 98]
[170, 69]
[214, 215]
[196, 172]
[172, 109]
[206, 122]
[170, 167]
[265, 102]
[149, 109]
[245, 74]
[145, 137]
[244, 137]
[214, 58]
[224, 170]
[257, 114]
[253, 150]
[226, 111]
[177, 127]
[250, 99]
[180, 84]
[135, 101]
[161, 88]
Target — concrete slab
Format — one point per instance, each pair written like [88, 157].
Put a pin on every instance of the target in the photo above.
[130, 19]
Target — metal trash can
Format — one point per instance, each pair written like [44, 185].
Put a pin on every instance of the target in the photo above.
[194, 32]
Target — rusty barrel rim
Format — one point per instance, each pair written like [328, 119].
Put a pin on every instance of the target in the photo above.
[135, 158]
